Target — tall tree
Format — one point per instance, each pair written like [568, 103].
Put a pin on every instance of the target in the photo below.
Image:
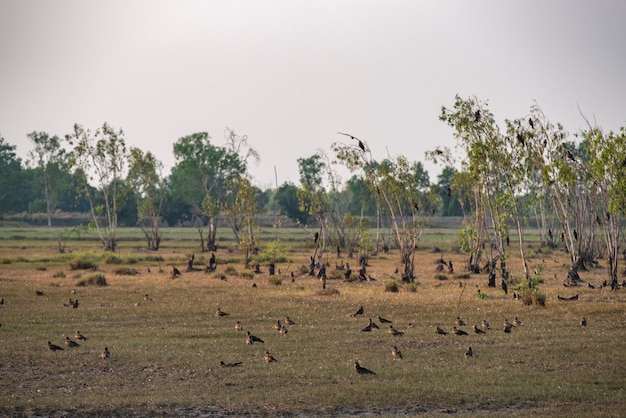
[100, 157]
[47, 156]
[10, 184]
[202, 170]
[146, 180]
[240, 207]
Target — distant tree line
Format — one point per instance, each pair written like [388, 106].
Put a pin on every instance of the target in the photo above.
[497, 178]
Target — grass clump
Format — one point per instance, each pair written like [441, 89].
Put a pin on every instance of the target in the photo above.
[441, 276]
[411, 287]
[275, 280]
[126, 271]
[83, 264]
[392, 286]
[59, 275]
[96, 279]
[231, 271]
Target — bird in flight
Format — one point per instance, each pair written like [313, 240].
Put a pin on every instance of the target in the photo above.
[361, 145]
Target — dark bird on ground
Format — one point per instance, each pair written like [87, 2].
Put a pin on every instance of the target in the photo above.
[441, 331]
[238, 326]
[175, 271]
[477, 330]
[278, 325]
[459, 321]
[396, 353]
[254, 285]
[39, 293]
[485, 325]
[361, 145]
[2, 303]
[268, 357]
[394, 331]
[507, 328]
[235, 364]
[359, 311]
[316, 236]
[75, 304]
[469, 352]
[457, 331]
[80, 336]
[583, 322]
[383, 320]
[559, 297]
[252, 338]
[362, 370]
[105, 355]
[517, 322]
[370, 325]
[505, 287]
[53, 347]
[71, 343]
[283, 330]
[146, 298]
[289, 321]
[220, 312]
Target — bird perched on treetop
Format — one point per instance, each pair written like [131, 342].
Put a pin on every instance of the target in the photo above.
[361, 145]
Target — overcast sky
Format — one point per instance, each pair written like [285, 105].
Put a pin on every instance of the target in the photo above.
[291, 74]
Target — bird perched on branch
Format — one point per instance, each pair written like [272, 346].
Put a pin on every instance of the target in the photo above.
[362, 370]
[361, 145]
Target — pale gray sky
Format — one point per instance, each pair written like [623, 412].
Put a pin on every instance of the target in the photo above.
[290, 74]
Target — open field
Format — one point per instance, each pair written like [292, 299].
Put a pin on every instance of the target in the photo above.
[166, 351]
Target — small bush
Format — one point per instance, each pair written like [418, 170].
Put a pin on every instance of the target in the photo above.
[113, 259]
[83, 264]
[231, 271]
[465, 275]
[126, 271]
[441, 276]
[97, 279]
[154, 258]
[247, 275]
[533, 297]
[5, 260]
[392, 286]
[481, 295]
[411, 287]
[275, 280]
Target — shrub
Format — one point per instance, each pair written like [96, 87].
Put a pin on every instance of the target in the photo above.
[465, 275]
[441, 276]
[154, 258]
[5, 260]
[411, 287]
[231, 271]
[97, 279]
[392, 286]
[533, 297]
[83, 264]
[113, 259]
[247, 275]
[275, 280]
[481, 295]
[126, 271]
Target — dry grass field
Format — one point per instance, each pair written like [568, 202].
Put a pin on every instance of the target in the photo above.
[165, 352]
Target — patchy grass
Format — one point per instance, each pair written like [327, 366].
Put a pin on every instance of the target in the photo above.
[166, 350]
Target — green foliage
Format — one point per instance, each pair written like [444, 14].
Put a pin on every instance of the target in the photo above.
[96, 279]
[392, 286]
[441, 276]
[275, 280]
